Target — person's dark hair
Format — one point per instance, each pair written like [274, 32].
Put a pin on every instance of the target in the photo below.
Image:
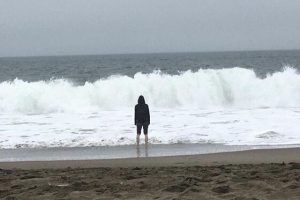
[141, 100]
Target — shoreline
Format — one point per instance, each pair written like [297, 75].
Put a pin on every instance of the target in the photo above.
[256, 156]
[124, 151]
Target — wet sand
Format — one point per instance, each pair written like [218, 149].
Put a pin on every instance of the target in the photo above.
[253, 174]
[124, 151]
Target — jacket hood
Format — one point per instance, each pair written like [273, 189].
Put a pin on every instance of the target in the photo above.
[141, 100]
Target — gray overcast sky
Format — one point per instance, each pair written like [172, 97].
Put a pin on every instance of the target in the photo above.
[59, 27]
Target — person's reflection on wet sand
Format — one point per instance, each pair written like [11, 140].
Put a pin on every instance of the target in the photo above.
[138, 151]
[146, 151]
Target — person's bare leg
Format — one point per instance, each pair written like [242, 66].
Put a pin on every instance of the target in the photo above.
[137, 139]
[146, 140]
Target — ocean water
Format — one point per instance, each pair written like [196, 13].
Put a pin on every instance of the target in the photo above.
[232, 98]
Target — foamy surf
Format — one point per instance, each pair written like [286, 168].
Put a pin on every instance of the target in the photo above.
[228, 106]
[209, 88]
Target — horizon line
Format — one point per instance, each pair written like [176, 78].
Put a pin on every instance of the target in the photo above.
[145, 53]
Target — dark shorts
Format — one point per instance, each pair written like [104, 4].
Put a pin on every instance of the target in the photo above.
[139, 128]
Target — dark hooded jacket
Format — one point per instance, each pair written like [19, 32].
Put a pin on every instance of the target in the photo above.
[141, 114]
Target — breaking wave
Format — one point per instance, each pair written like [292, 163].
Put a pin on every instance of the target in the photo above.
[206, 88]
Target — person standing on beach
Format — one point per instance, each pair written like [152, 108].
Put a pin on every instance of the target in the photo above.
[141, 119]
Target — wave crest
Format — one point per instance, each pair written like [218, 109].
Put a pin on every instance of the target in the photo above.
[206, 88]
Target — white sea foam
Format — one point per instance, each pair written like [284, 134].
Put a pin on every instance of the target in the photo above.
[210, 88]
[231, 106]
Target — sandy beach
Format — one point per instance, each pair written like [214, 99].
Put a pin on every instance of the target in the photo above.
[253, 174]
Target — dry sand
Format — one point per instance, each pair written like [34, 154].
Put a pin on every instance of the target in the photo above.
[254, 174]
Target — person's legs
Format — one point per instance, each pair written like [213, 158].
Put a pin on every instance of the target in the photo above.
[138, 130]
[137, 139]
[145, 128]
[146, 139]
